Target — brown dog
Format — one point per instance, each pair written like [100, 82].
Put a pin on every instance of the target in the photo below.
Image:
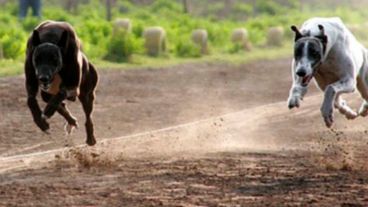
[56, 65]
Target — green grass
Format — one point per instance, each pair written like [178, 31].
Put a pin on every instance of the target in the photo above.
[106, 51]
[15, 67]
[11, 67]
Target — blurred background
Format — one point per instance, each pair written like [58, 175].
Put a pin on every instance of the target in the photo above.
[143, 32]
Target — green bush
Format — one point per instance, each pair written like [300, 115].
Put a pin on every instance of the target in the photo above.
[267, 7]
[216, 8]
[57, 14]
[13, 43]
[95, 36]
[122, 46]
[137, 29]
[94, 31]
[236, 48]
[186, 48]
[125, 7]
[164, 5]
[7, 19]
[30, 23]
[242, 11]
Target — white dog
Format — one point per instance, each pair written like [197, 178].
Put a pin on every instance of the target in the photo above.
[327, 51]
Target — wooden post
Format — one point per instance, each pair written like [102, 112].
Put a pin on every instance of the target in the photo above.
[228, 7]
[71, 5]
[185, 6]
[108, 10]
[1, 52]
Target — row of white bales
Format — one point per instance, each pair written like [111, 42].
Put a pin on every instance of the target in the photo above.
[155, 37]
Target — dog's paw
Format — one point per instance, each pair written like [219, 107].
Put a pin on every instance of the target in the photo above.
[91, 140]
[347, 111]
[43, 124]
[70, 127]
[351, 115]
[327, 114]
[363, 111]
[293, 101]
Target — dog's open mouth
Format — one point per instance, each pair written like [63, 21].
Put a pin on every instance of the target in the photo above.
[306, 80]
[45, 87]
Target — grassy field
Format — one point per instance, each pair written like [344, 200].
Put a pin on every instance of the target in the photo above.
[11, 67]
[214, 16]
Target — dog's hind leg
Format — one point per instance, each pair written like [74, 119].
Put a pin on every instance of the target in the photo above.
[64, 112]
[362, 86]
[363, 110]
[344, 109]
[87, 103]
[87, 97]
[332, 91]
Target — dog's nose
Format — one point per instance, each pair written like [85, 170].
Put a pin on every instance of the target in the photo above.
[301, 73]
[44, 79]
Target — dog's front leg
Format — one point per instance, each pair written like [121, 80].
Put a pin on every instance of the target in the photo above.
[32, 90]
[36, 114]
[331, 92]
[297, 90]
[296, 94]
[54, 104]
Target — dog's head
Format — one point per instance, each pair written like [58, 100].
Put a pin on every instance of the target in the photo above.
[308, 53]
[47, 58]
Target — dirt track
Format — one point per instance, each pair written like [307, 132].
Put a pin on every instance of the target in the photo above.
[259, 153]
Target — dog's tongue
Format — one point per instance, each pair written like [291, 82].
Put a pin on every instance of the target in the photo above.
[306, 80]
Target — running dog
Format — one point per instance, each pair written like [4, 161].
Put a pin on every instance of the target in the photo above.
[327, 51]
[56, 65]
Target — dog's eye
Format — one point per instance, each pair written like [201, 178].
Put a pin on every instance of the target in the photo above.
[315, 54]
[298, 52]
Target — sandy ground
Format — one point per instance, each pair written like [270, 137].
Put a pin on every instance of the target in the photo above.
[191, 135]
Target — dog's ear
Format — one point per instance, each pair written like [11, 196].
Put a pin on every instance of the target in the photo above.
[298, 35]
[35, 38]
[323, 35]
[63, 41]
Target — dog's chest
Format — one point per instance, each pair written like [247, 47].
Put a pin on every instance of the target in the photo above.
[326, 75]
[55, 85]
